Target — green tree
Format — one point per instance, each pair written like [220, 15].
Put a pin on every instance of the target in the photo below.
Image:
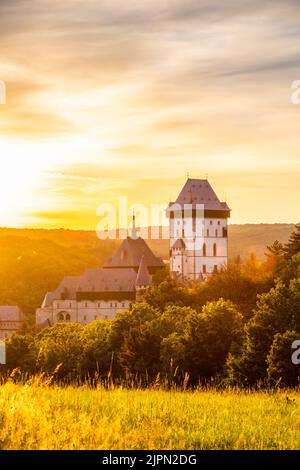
[168, 292]
[21, 352]
[209, 337]
[290, 269]
[277, 311]
[275, 255]
[293, 246]
[97, 353]
[133, 341]
[60, 345]
[281, 369]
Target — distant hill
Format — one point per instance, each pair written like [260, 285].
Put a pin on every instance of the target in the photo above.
[254, 238]
[242, 239]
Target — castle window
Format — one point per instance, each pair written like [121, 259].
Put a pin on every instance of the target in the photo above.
[218, 222]
[216, 232]
[211, 222]
[99, 305]
[111, 305]
[204, 269]
[204, 249]
[70, 304]
[84, 318]
[215, 249]
[68, 317]
[207, 232]
[86, 304]
[60, 316]
[215, 268]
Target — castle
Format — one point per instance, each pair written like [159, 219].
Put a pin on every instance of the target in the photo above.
[198, 247]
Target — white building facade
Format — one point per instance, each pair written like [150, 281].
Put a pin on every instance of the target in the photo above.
[198, 231]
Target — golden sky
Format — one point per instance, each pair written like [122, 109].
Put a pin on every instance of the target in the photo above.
[112, 98]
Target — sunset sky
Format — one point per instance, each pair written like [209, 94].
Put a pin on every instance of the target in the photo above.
[112, 98]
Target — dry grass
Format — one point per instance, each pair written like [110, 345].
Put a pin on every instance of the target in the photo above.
[41, 417]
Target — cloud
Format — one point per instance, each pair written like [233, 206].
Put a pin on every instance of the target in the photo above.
[155, 87]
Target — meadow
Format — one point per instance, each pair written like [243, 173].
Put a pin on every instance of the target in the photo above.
[52, 417]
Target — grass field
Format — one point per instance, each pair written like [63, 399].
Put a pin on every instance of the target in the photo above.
[36, 417]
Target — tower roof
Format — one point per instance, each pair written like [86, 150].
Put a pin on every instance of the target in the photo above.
[179, 244]
[130, 254]
[199, 191]
[143, 277]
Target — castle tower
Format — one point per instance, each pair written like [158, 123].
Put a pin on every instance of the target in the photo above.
[198, 231]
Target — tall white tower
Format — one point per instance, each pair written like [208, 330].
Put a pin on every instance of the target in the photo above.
[198, 231]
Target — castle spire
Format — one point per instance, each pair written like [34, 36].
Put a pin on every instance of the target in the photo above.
[133, 230]
[143, 278]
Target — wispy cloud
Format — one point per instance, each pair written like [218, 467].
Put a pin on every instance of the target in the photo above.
[150, 87]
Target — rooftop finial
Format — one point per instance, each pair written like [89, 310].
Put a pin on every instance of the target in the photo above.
[133, 231]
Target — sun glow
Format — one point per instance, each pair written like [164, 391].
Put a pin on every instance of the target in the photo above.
[20, 177]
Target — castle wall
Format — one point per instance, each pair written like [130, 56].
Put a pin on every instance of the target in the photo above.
[81, 312]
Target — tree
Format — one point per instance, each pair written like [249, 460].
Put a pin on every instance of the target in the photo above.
[20, 352]
[281, 369]
[290, 269]
[293, 246]
[97, 353]
[209, 337]
[168, 292]
[236, 284]
[132, 340]
[60, 345]
[277, 311]
[275, 255]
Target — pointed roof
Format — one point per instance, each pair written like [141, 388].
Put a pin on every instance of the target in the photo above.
[199, 191]
[143, 277]
[130, 254]
[179, 244]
